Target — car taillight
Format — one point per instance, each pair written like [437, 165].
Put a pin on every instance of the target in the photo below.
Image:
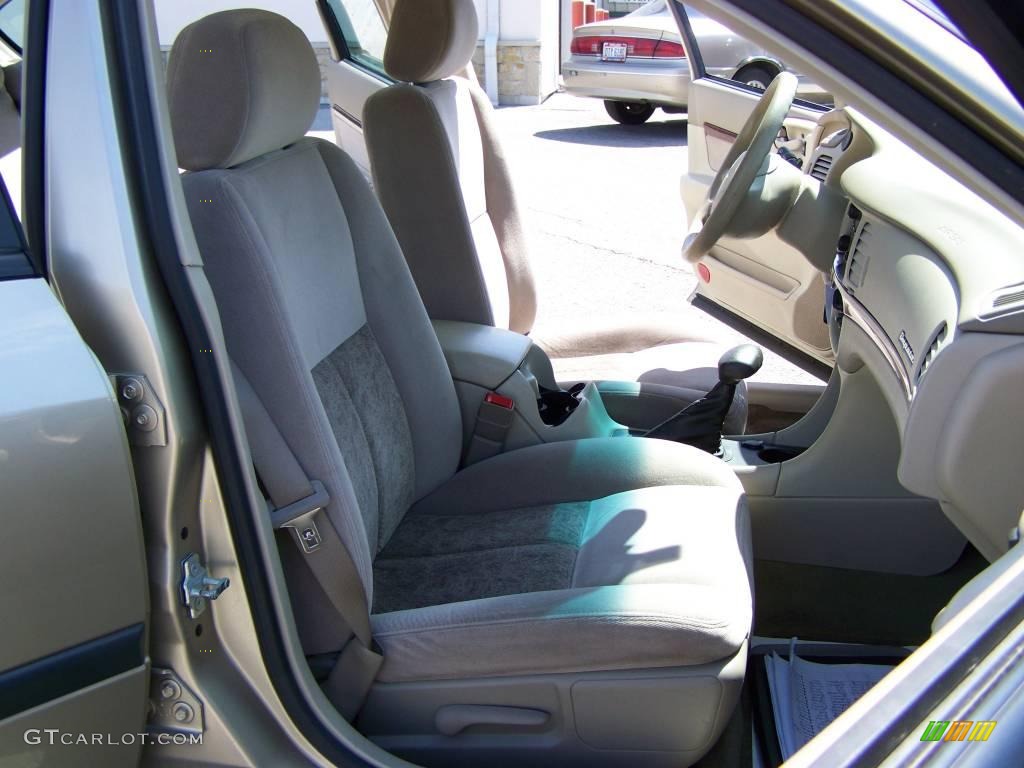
[588, 46]
[668, 49]
[636, 47]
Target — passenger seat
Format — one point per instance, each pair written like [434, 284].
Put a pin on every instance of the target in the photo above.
[584, 602]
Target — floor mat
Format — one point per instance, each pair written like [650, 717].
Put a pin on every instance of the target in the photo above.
[836, 604]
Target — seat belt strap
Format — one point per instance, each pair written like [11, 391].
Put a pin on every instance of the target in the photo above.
[299, 507]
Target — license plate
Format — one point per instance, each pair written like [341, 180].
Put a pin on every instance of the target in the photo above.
[614, 52]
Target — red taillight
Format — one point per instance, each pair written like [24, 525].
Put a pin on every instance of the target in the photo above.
[636, 47]
[667, 49]
[587, 46]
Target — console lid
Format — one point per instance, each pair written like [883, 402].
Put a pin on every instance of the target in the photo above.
[481, 354]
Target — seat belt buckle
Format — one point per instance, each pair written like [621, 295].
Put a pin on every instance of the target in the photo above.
[493, 422]
[494, 419]
[299, 518]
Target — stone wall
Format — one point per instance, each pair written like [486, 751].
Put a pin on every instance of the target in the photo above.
[519, 73]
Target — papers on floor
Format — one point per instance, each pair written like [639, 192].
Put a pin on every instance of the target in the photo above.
[806, 696]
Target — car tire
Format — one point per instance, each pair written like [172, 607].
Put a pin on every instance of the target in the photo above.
[629, 112]
[757, 75]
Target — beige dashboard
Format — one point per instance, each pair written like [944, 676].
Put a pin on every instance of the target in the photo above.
[929, 295]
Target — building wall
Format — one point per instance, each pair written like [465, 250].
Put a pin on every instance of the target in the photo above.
[529, 56]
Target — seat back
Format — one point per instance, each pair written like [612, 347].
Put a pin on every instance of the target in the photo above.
[441, 173]
[319, 311]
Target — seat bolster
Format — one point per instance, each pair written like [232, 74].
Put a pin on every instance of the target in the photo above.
[574, 630]
[575, 470]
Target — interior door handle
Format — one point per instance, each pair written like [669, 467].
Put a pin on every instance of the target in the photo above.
[455, 718]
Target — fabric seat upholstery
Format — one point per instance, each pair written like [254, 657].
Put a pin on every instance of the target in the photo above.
[446, 184]
[569, 560]
[612, 537]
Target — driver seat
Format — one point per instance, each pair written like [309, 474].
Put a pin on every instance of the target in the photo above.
[445, 184]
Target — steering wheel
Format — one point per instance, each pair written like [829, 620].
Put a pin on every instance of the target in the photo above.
[741, 167]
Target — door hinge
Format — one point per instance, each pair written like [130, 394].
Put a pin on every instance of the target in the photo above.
[197, 586]
[173, 707]
[144, 416]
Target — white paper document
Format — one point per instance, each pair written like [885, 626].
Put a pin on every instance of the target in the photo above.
[806, 696]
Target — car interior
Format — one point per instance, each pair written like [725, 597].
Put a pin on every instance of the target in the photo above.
[504, 549]
[601, 611]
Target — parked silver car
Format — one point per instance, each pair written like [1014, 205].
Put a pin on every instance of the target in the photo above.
[637, 63]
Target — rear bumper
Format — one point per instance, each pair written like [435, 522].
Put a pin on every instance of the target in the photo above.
[659, 83]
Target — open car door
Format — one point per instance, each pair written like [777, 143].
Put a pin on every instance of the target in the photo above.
[357, 34]
[74, 669]
[762, 281]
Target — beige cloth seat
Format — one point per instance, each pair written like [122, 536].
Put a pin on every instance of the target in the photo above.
[445, 183]
[588, 602]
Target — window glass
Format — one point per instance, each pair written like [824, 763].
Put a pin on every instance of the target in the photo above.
[12, 22]
[727, 56]
[14, 261]
[363, 31]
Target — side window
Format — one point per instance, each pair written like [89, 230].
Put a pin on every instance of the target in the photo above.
[358, 32]
[14, 258]
[12, 24]
[12, 37]
[724, 55]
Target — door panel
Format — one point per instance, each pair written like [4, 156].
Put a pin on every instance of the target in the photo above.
[75, 597]
[356, 70]
[348, 88]
[764, 280]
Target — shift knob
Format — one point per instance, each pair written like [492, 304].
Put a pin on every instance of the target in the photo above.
[740, 363]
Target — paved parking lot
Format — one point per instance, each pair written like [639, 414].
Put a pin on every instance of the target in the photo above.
[606, 218]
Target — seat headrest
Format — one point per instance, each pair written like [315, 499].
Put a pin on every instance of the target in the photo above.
[240, 84]
[430, 39]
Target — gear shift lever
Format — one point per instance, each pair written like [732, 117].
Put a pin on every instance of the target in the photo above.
[700, 424]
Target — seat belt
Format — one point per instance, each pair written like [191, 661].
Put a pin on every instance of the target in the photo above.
[493, 422]
[298, 506]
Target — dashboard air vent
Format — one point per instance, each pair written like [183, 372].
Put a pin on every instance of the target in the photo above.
[1005, 301]
[859, 257]
[822, 164]
[933, 349]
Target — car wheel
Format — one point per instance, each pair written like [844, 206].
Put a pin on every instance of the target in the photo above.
[758, 76]
[629, 112]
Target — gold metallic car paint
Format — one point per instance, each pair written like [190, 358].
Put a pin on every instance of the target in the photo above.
[71, 549]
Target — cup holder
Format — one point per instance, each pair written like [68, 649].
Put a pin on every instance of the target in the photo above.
[776, 454]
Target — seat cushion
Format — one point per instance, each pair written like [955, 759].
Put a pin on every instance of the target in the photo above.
[602, 554]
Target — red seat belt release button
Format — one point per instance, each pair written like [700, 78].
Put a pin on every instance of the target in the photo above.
[493, 398]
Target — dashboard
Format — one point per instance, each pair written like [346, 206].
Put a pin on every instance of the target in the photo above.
[927, 291]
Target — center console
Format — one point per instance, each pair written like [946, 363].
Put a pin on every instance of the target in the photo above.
[497, 370]
[823, 491]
